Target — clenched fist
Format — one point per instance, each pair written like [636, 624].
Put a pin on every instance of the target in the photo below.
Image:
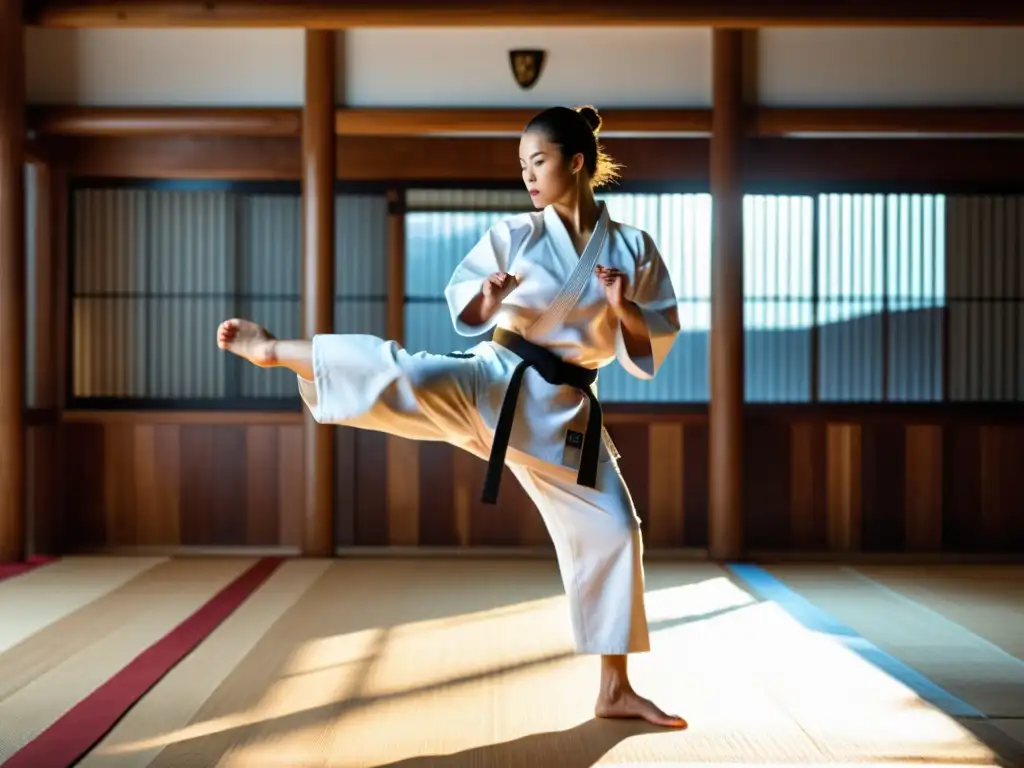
[615, 284]
[499, 285]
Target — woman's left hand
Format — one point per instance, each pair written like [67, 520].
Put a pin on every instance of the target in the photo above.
[615, 285]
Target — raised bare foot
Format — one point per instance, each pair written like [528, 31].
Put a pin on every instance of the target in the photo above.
[627, 703]
[247, 340]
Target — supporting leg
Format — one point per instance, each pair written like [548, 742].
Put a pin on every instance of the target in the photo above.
[617, 699]
[600, 550]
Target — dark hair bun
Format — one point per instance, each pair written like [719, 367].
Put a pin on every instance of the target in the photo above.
[590, 114]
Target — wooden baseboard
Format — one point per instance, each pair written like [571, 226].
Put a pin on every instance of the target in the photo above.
[189, 551]
[501, 553]
[685, 554]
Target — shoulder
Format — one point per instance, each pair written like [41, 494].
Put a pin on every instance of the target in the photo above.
[518, 225]
[637, 242]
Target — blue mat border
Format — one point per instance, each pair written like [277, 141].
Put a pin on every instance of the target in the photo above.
[766, 586]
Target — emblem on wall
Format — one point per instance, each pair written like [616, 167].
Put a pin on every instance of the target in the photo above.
[526, 66]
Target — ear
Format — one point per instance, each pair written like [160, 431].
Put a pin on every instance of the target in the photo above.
[576, 164]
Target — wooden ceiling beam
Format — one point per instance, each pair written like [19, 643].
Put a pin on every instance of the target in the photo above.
[480, 122]
[164, 121]
[770, 164]
[340, 14]
[452, 123]
[934, 121]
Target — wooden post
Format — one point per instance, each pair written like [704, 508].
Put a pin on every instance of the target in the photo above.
[12, 283]
[725, 512]
[318, 174]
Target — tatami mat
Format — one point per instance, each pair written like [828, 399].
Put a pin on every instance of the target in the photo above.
[44, 595]
[945, 652]
[48, 673]
[985, 600]
[469, 663]
[173, 702]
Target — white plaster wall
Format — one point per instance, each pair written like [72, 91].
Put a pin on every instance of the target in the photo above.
[173, 67]
[891, 67]
[470, 67]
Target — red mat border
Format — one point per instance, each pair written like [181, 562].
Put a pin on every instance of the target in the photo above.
[10, 570]
[68, 739]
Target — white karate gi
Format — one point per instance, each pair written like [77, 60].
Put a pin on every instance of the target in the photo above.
[364, 381]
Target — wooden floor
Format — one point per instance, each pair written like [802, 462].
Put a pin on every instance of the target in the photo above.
[404, 662]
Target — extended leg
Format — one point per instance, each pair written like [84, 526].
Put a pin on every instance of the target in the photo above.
[599, 547]
[257, 345]
[366, 382]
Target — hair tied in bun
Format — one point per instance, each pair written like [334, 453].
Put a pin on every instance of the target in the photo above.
[592, 117]
[563, 126]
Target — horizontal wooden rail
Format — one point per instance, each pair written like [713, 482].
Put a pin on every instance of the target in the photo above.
[776, 165]
[615, 413]
[340, 14]
[931, 121]
[478, 122]
[618, 123]
[164, 121]
[181, 417]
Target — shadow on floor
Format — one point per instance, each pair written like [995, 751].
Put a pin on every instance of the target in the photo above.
[579, 747]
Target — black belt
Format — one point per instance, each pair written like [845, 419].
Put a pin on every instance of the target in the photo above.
[555, 371]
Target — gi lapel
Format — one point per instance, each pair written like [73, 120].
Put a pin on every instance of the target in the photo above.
[584, 270]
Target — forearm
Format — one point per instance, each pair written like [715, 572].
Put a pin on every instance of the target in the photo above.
[295, 355]
[479, 310]
[634, 330]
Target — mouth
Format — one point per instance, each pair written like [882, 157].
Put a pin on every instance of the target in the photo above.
[534, 192]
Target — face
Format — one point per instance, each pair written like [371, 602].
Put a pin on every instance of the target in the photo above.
[548, 177]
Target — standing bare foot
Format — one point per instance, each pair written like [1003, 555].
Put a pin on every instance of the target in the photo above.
[618, 699]
[248, 340]
[619, 702]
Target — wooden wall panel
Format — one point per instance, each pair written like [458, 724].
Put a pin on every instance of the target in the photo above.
[666, 507]
[923, 488]
[45, 486]
[770, 163]
[768, 494]
[814, 483]
[369, 475]
[843, 480]
[139, 483]
[883, 483]
[807, 486]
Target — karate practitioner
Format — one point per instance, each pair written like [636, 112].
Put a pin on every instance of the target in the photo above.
[566, 291]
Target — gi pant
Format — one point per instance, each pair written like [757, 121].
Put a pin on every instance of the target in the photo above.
[368, 383]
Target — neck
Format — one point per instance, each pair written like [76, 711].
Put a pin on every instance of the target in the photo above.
[580, 213]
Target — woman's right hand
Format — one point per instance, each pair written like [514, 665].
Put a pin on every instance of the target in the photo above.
[493, 291]
[497, 286]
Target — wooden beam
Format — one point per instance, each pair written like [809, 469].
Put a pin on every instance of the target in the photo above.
[770, 164]
[339, 14]
[936, 165]
[486, 160]
[921, 121]
[767, 122]
[286, 122]
[510, 122]
[43, 263]
[13, 501]
[318, 167]
[164, 121]
[236, 158]
[396, 266]
[725, 413]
